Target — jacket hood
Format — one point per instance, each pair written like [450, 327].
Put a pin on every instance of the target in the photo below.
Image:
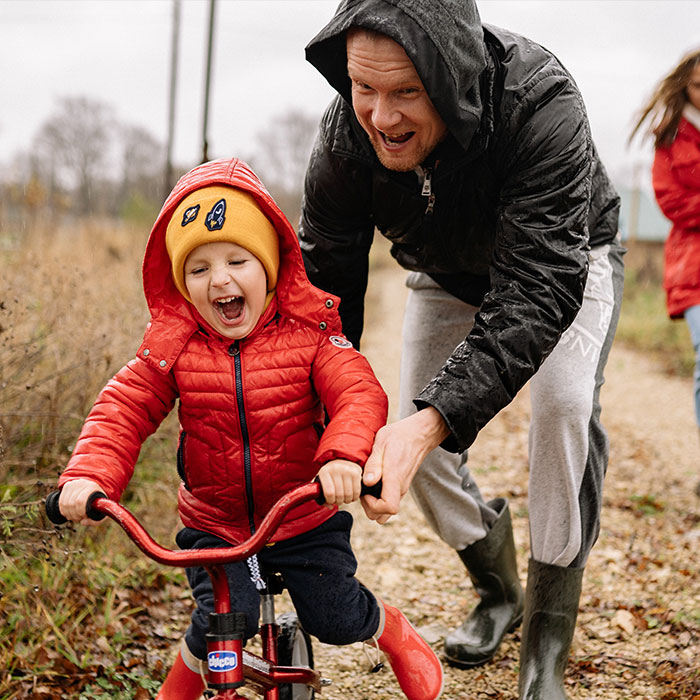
[295, 297]
[443, 38]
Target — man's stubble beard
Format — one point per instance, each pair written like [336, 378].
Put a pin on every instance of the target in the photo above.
[398, 164]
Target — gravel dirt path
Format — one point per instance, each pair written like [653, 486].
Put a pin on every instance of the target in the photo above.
[638, 634]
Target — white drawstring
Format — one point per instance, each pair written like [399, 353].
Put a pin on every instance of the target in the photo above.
[255, 576]
[376, 663]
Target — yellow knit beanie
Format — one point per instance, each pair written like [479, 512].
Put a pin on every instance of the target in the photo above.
[219, 213]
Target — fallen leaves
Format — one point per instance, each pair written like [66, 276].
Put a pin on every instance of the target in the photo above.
[638, 633]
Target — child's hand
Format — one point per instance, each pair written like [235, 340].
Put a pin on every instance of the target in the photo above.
[73, 499]
[341, 481]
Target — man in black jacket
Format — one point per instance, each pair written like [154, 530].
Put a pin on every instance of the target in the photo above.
[469, 148]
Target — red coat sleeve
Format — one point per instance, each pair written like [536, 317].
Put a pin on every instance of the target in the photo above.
[676, 180]
[354, 399]
[129, 409]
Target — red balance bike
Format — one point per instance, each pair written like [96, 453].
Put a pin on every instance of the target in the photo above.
[284, 670]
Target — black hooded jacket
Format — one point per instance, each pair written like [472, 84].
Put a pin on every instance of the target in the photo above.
[517, 196]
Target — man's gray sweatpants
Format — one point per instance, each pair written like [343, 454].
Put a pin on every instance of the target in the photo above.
[568, 447]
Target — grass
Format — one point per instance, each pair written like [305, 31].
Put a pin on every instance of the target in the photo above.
[74, 602]
[644, 325]
[73, 620]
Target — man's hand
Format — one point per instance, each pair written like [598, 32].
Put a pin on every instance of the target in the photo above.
[399, 449]
[73, 499]
[341, 481]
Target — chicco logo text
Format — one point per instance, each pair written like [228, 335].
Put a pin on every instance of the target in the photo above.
[222, 661]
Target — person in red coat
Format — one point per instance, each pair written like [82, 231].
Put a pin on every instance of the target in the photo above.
[255, 357]
[674, 114]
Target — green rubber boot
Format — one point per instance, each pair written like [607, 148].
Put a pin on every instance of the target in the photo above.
[551, 608]
[493, 570]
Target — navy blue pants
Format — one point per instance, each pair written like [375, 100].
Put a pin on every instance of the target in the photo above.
[318, 568]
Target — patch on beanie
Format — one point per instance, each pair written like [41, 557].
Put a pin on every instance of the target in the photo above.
[190, 215]
[216, 217]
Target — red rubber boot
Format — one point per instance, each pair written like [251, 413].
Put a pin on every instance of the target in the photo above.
[182, 683]
[416, 667]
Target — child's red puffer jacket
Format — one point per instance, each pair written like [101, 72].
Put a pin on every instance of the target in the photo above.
[676, 178]
[251, 411]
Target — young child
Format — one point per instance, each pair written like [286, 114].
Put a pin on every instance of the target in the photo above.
[255, 356]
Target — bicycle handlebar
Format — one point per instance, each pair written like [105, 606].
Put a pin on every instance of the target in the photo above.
[56, 517]
[99, 506]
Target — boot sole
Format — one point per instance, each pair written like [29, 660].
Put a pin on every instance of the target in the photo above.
[461, 663]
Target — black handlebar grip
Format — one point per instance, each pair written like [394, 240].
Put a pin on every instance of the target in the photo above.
[54, 512]
[91, 512]
[374, 490]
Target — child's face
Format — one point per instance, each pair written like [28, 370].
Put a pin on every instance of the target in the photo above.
[228, 286]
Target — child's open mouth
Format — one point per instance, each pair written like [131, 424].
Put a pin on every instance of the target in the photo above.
[230, 308]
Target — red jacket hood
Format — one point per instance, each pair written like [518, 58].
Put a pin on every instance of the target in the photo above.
[295, 296]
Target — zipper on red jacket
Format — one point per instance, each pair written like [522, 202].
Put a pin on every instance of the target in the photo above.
[235, 352]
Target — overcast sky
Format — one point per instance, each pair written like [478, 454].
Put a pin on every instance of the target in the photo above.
[118, 51]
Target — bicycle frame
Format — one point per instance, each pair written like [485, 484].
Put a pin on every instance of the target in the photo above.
[230, 666]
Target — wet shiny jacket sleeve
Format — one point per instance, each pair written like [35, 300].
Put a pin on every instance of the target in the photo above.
[539, 266]
[129, 409]
[336, 229]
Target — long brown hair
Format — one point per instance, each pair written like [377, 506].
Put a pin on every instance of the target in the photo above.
[666, 105]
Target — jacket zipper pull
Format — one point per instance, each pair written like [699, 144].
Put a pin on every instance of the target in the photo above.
[427, 190]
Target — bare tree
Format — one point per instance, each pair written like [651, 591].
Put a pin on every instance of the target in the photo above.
[76, 140]
[281, 156]
[142, 158]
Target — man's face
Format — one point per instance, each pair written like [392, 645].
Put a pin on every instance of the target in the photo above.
[391, 103]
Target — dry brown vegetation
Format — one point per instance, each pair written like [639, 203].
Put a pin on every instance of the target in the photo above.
[84, 615]
[70, 312]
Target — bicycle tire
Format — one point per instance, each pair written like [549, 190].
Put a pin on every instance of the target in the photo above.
[294, 648]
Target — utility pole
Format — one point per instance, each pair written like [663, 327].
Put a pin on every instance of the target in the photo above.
[174, 51]
[205, 142]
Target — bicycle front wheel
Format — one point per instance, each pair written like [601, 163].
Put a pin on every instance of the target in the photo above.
[294, 649]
